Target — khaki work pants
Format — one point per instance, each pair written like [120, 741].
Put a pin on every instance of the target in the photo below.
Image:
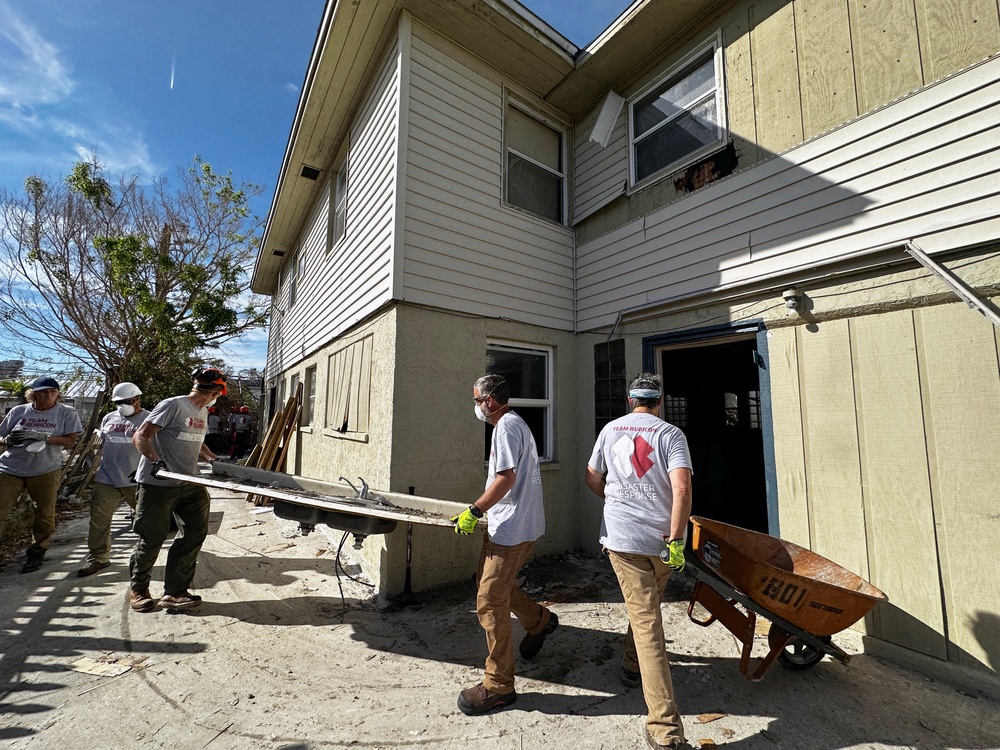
[642, 579]
[498, 597]
[42, 490]
[103, 504]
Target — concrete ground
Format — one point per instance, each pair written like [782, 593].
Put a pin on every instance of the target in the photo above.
[276, 659]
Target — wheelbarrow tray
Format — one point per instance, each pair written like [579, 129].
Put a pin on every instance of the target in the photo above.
[796, 584]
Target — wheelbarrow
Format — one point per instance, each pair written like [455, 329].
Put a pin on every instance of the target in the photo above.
[806, 597]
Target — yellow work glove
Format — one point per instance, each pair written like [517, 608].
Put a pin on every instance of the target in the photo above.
[673, 555]
[466, 521]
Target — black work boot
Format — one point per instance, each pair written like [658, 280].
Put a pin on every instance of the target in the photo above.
[33, 561]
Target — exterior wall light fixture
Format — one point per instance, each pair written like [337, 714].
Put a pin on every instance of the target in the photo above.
[792, 298]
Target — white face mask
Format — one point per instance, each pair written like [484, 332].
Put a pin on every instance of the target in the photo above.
[126, 410]
[212, 402]
[479, 413]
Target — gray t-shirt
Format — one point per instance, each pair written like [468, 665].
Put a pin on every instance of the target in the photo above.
[119, 458]
[638, 451]
[520, 515]
[58, 421]
[178, 442]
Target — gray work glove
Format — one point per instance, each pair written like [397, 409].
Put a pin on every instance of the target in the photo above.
[24, 437]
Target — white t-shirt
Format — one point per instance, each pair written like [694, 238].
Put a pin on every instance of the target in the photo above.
[119, 458]
[638, 451]
[520, 515]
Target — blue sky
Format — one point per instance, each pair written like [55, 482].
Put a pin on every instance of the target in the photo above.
[147, 85]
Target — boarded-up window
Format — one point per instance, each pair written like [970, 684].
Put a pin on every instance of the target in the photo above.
[349, 380]
[535, 173]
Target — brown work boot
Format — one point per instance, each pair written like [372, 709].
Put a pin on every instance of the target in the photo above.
[677, 744]
[92, 566]
[180, 600]
[477, 700]
[141, 601]
[532, 644]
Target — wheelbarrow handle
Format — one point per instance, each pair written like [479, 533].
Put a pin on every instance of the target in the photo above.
[704, 623]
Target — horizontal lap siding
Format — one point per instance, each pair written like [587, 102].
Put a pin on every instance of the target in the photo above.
[457, 234]
[599, 173]
[922, 166]
[348, 282]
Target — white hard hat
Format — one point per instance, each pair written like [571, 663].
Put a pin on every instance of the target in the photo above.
[125, 392]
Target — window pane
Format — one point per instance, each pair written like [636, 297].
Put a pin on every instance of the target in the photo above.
[528, 136]
[523, 371]
[535, 418]
[676, 140]
[679, 96]
[533, 189]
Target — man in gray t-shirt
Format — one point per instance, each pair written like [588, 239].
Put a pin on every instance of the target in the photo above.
[641, 468]
[33, 436]
[115, 477]
[516, 518]
[172, 438]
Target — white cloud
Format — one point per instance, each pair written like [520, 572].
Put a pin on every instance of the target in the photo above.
[34, 74]
[291, 88]
[36, 92]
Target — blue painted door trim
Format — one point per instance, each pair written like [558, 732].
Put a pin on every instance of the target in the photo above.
[705, 335]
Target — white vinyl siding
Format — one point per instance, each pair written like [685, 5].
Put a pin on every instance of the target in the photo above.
[599, 174]
[457, 232]
[921, 168]
[353, 279]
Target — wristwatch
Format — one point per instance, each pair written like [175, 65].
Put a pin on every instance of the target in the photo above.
[475, 511]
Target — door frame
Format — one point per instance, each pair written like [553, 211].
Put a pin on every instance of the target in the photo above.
[654, 344]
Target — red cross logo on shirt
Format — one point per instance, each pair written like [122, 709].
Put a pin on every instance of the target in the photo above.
[640, 458]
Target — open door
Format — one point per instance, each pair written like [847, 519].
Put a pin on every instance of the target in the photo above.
[712, 392]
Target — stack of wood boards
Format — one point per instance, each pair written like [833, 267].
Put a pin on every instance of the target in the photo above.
[271, 453]
[84, 456]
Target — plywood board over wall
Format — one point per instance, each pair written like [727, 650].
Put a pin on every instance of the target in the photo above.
[830, 437]
[826, 67]
[955, 34]
[886, 50]
[898, 513]
[786, 413]
[961, 393]
[775, 75]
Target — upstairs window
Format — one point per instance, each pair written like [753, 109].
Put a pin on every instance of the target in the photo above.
[296, 270]
[680, 119]
[338, 207]
[535, 180]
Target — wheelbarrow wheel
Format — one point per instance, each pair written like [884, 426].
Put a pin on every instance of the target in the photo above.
[796, 654]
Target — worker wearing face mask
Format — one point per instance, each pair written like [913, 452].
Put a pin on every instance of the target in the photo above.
[516, 518]
[115, 477]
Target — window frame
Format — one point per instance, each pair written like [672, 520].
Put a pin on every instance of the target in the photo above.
[309, 394]
[563, 160]
[546, 453]
[675, 74]
[339, 204]
[296, 272]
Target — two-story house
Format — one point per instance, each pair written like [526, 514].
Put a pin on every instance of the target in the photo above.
[772, 204]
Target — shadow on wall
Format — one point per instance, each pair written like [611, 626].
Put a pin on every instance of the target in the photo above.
[889, 623]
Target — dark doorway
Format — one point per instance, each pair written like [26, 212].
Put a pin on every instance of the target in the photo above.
[712, 393]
